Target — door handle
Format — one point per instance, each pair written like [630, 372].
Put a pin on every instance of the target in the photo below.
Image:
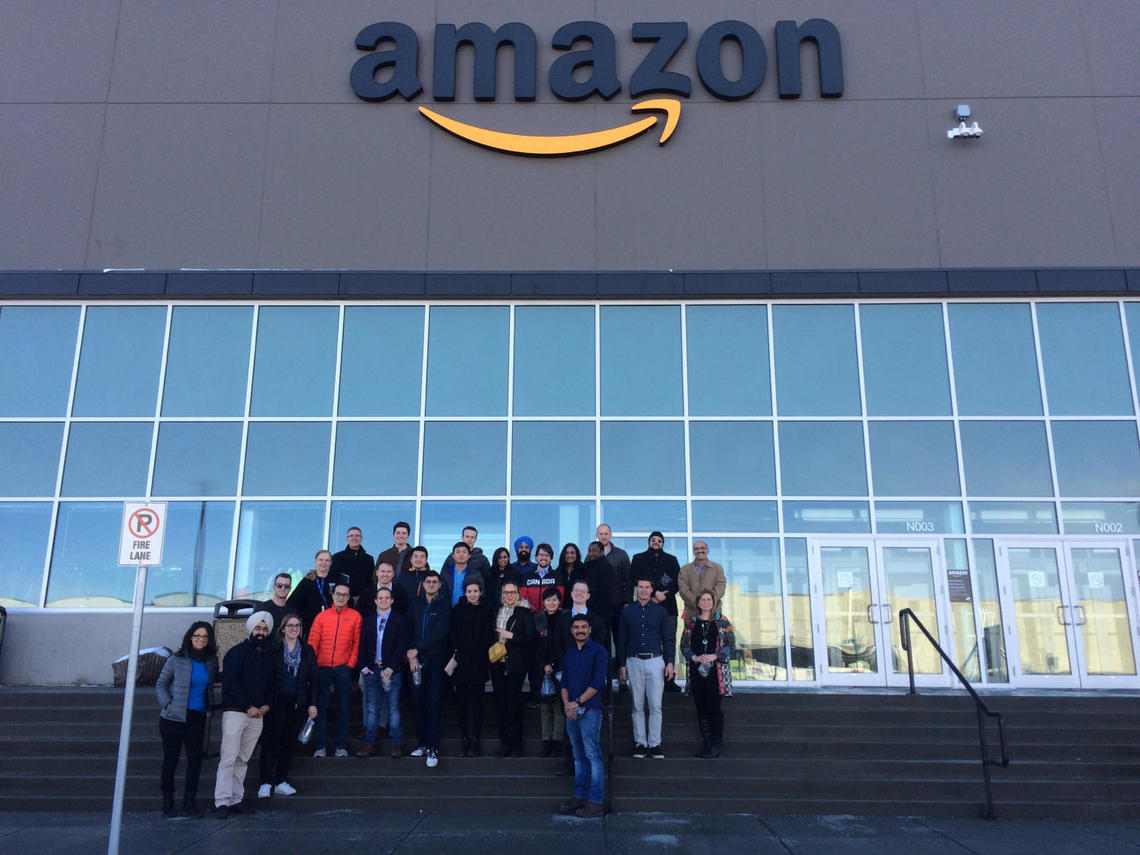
[886, 607]
[1080, 620]
[1061, 616]
[870, 613]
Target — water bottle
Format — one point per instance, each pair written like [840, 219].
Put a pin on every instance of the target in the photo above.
[307, 731]
[705, 668]
[417, 677]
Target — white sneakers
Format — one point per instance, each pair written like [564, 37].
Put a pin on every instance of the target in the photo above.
[320, 752]
[419, 752]
[432, 759]
[342, 752]
[264, 791]
[283, 789]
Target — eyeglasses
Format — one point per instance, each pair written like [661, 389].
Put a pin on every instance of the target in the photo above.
[202, 635]
[283, 585]
[292, 626]
[343, 594]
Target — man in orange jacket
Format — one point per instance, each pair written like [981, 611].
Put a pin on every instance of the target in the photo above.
[335, 637]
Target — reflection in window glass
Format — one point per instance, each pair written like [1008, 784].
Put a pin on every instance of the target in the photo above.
[467, 361]
[119, 361]
[37, 350]
[376, 458]
[995, 362]
[728, 361]
[799, 609]
[381, 361]
[552, 458]
[197, 459]
[24, 530]
[643, 516]
[556, 523]
[85, 571]
[678, 547]
[107, 459]
[1006, 459]
[452, 469]
[1101, 517]
[441, 525]
[966, 652]
[374, 519]
[195, 555]
[641, 361]
[986, 591]
[732, 459]
[275, 537]
[643, 458]
[1082, 353]
[1132, 319]
[29, 458]
[822, 459]
[919, 518]
[914, 459]
[295, 361]
[1013, 518]
[816, 370]
[287, 459]
[735, 516]
[827, 517]
[207, 361]
[1097, 458]
[904, 360]
[554, 361]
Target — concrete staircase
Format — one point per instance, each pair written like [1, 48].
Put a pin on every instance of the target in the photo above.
[810, 752]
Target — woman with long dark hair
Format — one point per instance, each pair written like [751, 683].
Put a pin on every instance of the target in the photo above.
[499, 573]
[515, 628]
[472, 633]
[570, 563]
[183, 698]
[294, 701]
[706, 645]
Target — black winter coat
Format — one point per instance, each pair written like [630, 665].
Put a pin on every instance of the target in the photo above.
[519, 648]
[306, 673]
[472, 633]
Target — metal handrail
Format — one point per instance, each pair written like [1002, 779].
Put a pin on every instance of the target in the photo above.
[984, 712]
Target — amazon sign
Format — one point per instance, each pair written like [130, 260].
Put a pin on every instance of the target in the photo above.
[588, 68]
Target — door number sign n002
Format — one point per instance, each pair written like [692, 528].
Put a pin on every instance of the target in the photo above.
[140, 540]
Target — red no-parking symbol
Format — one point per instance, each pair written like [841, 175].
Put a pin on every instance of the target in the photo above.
[143, 522]
[141, 535]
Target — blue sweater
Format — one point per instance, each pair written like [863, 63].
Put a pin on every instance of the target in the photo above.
[584, 668]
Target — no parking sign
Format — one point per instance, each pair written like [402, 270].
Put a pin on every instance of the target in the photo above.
[140, 540]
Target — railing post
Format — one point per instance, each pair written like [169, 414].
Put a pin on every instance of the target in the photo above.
[985, 764]
[904, 619]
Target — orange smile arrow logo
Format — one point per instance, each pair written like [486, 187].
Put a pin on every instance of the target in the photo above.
[550, 146]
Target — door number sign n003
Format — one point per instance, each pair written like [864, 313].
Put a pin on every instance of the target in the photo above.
[140, 541]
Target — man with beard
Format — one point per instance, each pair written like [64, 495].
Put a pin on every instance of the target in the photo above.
[521, 565]
[247, 680]
[664, 571]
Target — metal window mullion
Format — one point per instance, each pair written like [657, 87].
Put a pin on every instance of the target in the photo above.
[238, 502]
[334, 424]
[775, 417]
[158, 401]
[1130, 364]
[953, 380]
[1045, 413]
[423, 416]
[865, 422]
[509, 490]
[597, 415]
[685, 426]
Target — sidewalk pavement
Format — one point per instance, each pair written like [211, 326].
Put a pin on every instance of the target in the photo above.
[441, 831]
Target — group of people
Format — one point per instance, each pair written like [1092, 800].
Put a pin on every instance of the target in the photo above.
[403, 628]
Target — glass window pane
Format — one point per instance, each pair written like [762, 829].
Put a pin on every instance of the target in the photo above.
[1013, 518]
[995, 362]
[643, 516]
[914, 459]
[37, 350]
[643, 458]
[24, 530]
[986, 591]
[965, 633]
[728, 361]
[275, 537]
[374, 519]
[197, 459]
[822, 459]
[1006, 459]
[85, 571]
[441, 524]
[376, 458]
[799, 609]
[1132, 318]
[119, 361]
[552, 458]
[1101, 517]
[195, 555]
[1082, 352]
[287, 459]
[816, 371]
[295, 360]
[1097, 458]
[735, 516]
[207, 361]
[919, 518]
[381, 360]
[29, 458]
[107, 459]
[904, 360]
[556, 523]
[732, 459]
[827, 517]
[465, 459]
[641, 360]
[678, 547]
[467, 361]
[554, 361]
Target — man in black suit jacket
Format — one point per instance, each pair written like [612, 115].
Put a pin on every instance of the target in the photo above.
[384, 641]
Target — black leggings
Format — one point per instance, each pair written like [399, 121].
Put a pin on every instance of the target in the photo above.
[508, 704]
[176, 734]
[279, 739]
[706, 694]
[469, 710]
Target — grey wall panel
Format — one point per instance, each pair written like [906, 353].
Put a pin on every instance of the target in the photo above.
[48, 161]
[127, 283]
[1117, 125]
[195, 284]
[56, 50]
[1022, 195]
[37, 284]
[179, 186]
[196, 51]
[1109, 30]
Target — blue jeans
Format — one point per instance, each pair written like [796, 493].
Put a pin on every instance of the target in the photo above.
[381, 708]
[586, 739]
[340, 677]
[427, 700]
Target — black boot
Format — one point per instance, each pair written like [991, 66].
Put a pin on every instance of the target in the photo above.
[705, 725]
[476, 748]
[168, 805]
[465, 750]
[190, 807]
[547, 747]
[717, 733]
[567, 767]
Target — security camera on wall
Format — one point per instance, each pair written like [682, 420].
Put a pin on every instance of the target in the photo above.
[963, 131]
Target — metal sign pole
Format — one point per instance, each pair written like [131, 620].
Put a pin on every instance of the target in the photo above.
[128, 710]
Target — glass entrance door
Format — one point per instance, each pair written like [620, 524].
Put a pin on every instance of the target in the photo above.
[1072, 611]
[858, 590]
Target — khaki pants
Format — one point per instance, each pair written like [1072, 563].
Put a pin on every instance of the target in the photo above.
[239, 737]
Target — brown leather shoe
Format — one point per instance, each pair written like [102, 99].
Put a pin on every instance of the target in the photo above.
[366, 751]
[571, 807]
[592, 810]
[397, 752]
